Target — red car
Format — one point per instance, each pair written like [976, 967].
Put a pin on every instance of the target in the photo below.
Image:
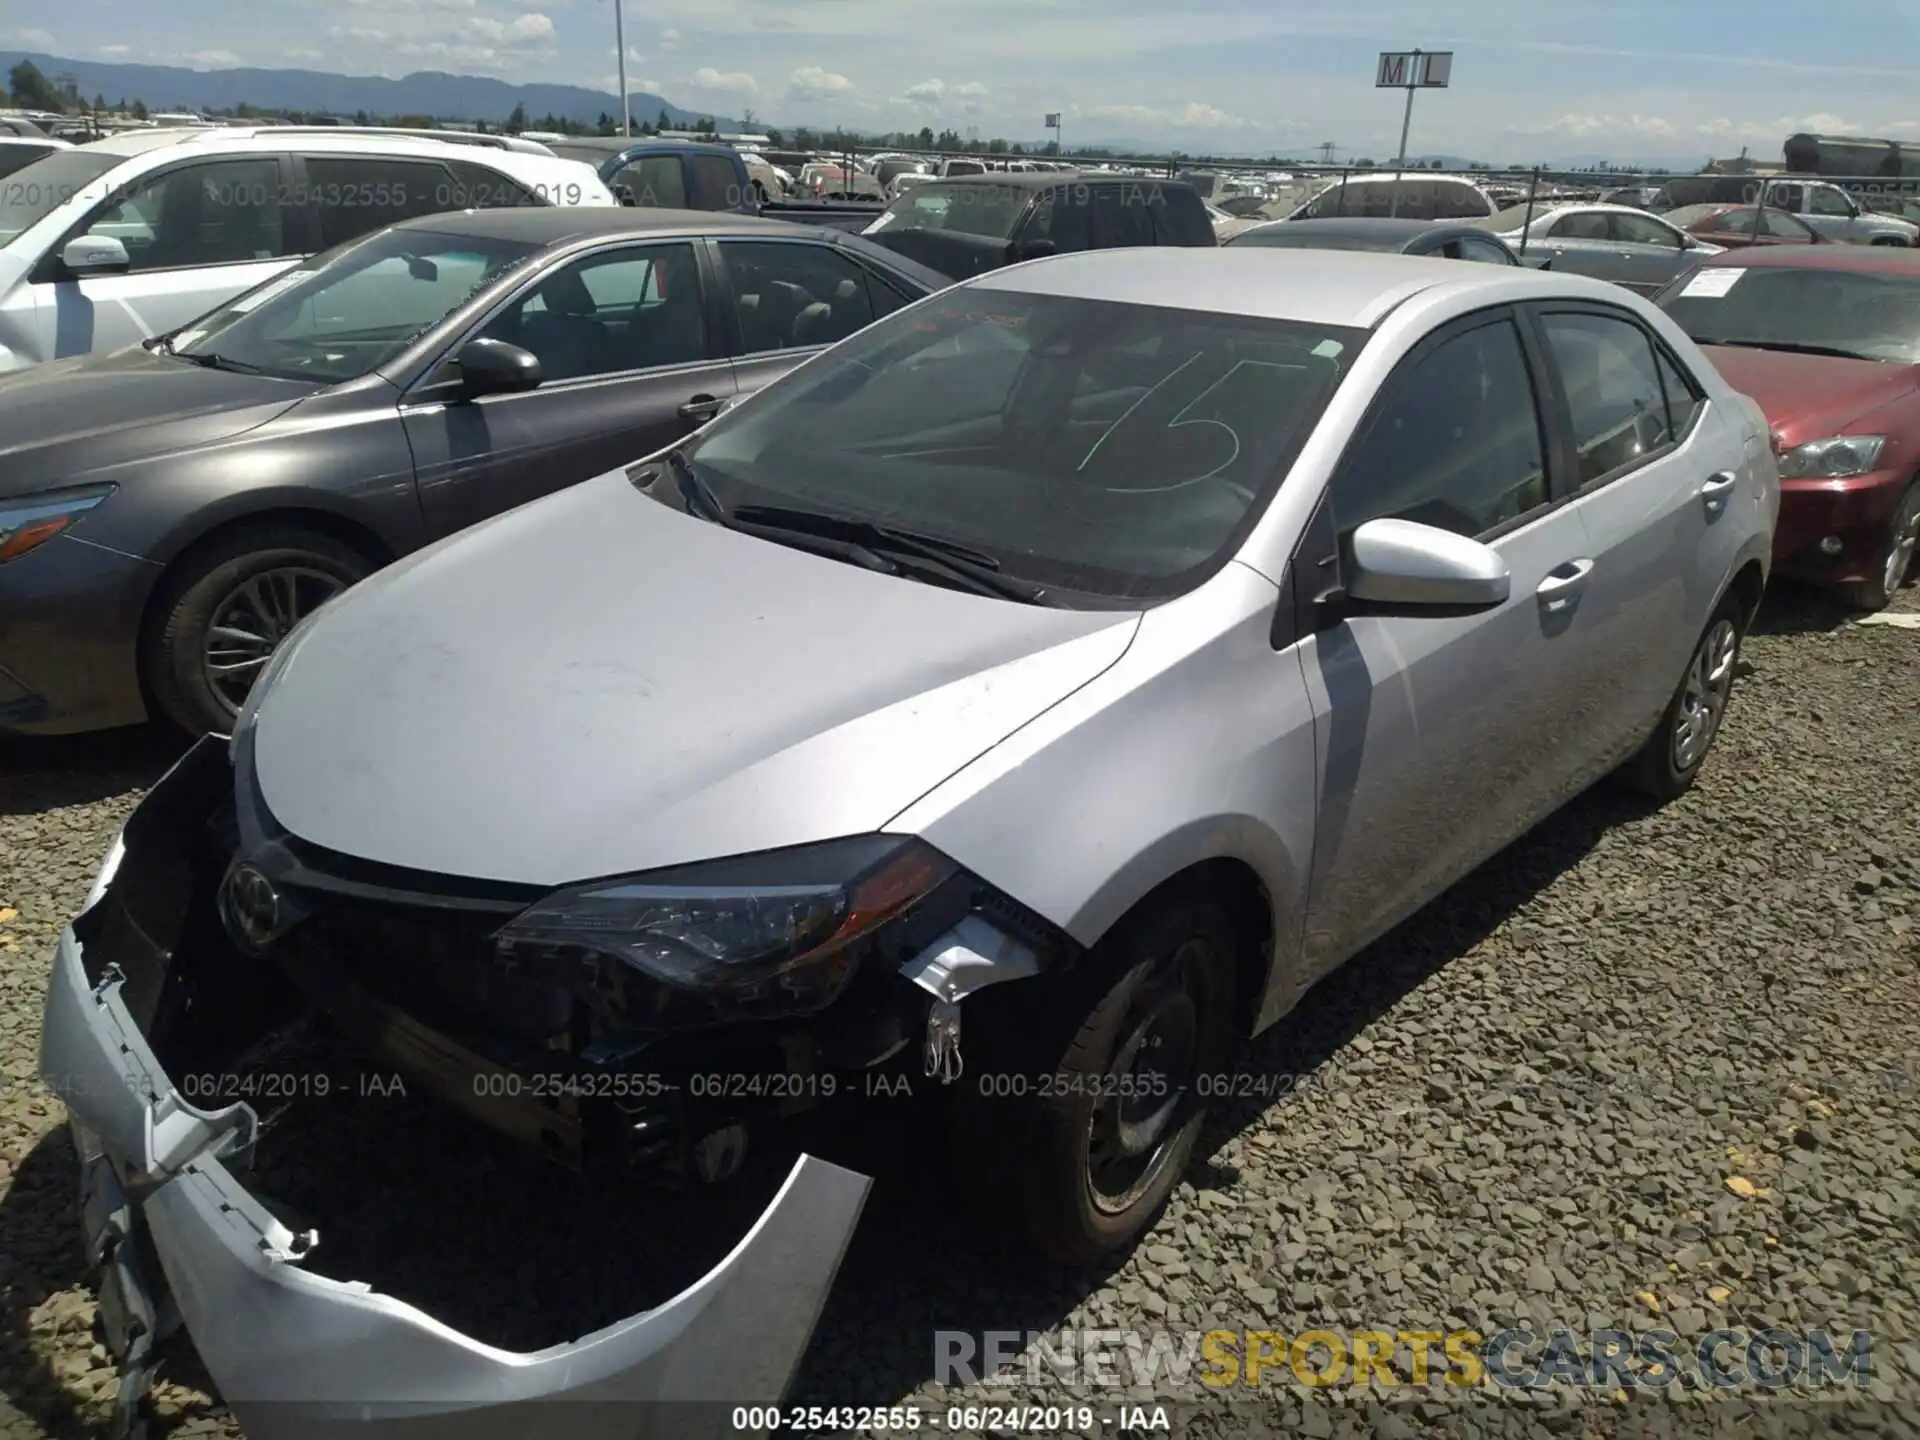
[1737, 225]
[1827, 339]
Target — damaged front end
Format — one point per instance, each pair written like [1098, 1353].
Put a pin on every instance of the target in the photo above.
[147, 986]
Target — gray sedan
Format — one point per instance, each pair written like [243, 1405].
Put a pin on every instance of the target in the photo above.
[1609, 242]
[169, 512]
[1442, 240]
[1031, 698]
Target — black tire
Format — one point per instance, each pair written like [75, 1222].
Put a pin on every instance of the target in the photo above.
[1027, 1160]
[205, 581]
[1877, 593]
[1663, 768]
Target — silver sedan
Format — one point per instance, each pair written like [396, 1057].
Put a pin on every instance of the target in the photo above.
[1609, 242]
[1035, 693]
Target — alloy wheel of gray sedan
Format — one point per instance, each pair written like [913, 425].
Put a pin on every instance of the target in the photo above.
[1703, 701]
[1148, 1092]
[253, 618]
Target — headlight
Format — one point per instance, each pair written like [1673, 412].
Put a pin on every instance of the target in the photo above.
[777, 933]
[28, 523]
[1834, 458]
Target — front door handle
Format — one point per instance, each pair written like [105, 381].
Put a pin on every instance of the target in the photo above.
[1717, 491]
[1563, 585]
[701, 407]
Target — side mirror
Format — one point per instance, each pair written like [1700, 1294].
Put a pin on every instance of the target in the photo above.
[493, 367]
[1403, 567]
[96, 255]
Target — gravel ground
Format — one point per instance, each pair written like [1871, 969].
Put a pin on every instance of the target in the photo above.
[1641, 1070]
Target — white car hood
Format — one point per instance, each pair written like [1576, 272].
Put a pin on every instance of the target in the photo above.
[598, 684]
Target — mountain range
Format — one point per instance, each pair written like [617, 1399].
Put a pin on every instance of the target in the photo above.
[470, 97]
[426, 92]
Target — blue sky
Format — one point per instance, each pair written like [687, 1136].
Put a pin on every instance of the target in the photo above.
[1542, 79]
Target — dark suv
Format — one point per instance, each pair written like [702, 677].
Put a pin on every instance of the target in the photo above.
[974, 223]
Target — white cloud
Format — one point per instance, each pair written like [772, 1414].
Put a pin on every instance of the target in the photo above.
[533, 29]
[1587, 127]
[811, 84]
[671, 39]
[1194, 115]
[634, 57]
[364, 34]
[31, 37]
[717, 82]
[116, 50]
[938, 95]
[211, 59]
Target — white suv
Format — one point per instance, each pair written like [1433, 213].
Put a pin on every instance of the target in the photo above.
[103, 245]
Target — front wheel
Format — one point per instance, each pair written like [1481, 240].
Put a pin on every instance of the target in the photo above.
[1896, 559]
[227, 609]
[1667, 764]
[1075, 1148]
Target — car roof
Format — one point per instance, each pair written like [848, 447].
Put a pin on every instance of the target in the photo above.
[1353, 288]
[620, 144]
[1370, 227]
[554, 225]
[1886, 259]
[1047, 179]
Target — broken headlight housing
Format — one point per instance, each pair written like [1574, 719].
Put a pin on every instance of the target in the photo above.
[752, 937]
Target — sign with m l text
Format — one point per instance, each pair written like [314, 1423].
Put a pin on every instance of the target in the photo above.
[1414, 70]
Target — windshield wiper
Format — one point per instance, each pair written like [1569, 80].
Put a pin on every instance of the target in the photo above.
[694, 488]
[978, 570]
[207, 360]
[1790, 348]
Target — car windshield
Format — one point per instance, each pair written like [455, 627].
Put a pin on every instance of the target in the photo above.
[35, 191]
[1114, 450]
[987, 210]
[348, 312]
[1869, 314]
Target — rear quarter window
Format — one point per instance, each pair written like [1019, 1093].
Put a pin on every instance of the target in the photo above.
[1181, 219]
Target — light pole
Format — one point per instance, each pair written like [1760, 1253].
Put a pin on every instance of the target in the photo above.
[620, 48]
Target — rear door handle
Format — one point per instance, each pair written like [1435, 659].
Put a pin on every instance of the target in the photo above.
[1717, 491]
[1563, 585]
[701, 407]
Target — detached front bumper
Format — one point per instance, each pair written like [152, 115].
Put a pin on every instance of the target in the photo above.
[296, 1355]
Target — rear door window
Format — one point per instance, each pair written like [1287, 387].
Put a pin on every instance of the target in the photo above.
[713, 183]
[484, 189]
[1121, 216]
[652, 182]
[794, 294]
[355, 195]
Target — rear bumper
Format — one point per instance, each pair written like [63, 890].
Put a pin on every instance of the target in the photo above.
[297, 1355]
[1857, 510]
[69, 628]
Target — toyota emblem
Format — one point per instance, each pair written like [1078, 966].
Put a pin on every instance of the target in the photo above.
[252, 906]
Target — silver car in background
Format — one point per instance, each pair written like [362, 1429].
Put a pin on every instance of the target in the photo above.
[1608, 242]
[1038, 692]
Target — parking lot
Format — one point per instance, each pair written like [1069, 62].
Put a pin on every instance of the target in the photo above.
[1642, 1068]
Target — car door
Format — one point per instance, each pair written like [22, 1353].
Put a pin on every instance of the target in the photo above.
[1655, 469]
[1652, 253]
[1581, 243]
[197, 234]
[785, 300]
[1828, 206]
[1440, 738]
[629, 364]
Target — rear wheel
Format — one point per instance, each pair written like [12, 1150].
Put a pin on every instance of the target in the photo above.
[1896, 559]
[227, 609]
[1666, 765]
[1075, 1146]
